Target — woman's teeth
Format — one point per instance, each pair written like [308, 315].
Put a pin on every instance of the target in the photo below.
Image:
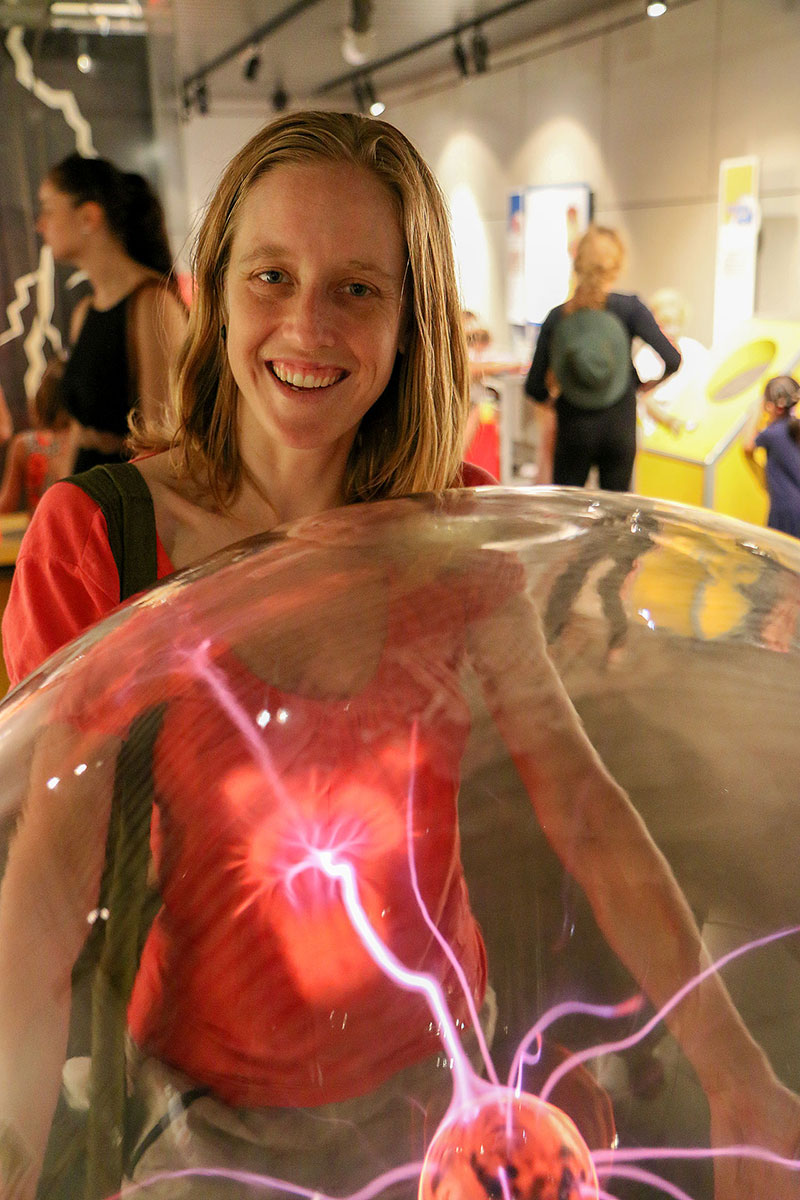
[301, 379]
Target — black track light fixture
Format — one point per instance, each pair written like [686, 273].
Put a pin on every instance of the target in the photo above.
[480, 50]
[201, 98]
[374, 105]
[252, 64]
[361, 16]
[280, 98]
[460, 57]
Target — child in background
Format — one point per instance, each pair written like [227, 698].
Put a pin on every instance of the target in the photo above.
[38, 457]
[780, 437]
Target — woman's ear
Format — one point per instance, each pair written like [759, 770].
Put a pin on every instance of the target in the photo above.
[91, 216]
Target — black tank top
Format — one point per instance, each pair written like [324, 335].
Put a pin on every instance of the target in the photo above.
[96, 383]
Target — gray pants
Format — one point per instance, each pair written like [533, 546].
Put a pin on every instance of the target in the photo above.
[334, 1148]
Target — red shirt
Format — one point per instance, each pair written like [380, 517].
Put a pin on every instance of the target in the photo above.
[253, 980]
[66, 580]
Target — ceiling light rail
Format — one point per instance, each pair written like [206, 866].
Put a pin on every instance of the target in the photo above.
[474, 24]
[253, 38]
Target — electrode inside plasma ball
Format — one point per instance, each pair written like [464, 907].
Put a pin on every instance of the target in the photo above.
[508, 1145]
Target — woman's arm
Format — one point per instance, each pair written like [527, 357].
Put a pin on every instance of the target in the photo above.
[11, 489]
[751, 428]
[158, 332]
[546, 430]
[643, 324]
[603, 843]
[536, 384]
[49, 888]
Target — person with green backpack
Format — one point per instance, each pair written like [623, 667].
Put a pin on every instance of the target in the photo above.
[582, 376]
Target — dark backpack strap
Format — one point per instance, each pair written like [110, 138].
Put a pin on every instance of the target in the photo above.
[130, 905]
[126, 503]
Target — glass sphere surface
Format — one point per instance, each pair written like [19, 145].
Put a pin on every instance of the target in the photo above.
[361, 756]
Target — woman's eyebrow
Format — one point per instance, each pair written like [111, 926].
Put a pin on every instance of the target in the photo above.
[268, 250]
[263, 250]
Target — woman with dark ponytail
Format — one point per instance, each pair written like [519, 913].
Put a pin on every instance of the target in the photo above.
[124, 336]
[780, 437]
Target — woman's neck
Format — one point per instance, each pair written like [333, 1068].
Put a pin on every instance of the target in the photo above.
[294, 484]
[112, 273]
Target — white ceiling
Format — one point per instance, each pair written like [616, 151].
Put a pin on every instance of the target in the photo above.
[300, 41]
[305, 53]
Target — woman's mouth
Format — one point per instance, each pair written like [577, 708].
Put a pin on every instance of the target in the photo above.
[305, 378]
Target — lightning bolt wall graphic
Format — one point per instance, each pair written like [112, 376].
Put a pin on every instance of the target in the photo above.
[38, 286]
[52, 97]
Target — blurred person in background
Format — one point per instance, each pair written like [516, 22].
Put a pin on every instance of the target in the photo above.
[125, 335]
[582, 375]
[38, 457]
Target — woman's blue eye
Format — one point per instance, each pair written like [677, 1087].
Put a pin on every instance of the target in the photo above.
[271, 276]
[359, 289]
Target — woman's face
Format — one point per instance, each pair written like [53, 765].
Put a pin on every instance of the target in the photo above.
[314, 296]
[58, 222]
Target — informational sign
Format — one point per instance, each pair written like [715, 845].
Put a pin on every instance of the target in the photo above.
[738, 224]
[515, 266]
[555, 218]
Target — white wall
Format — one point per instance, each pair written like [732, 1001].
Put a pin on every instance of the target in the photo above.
[209, 143]
[643, 114]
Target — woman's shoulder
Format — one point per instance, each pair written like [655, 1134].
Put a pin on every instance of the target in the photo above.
[65, 578]
[552, 318]
[624, 302]
[156, 309]
[471, 475]
[66, 522]
[775, 434]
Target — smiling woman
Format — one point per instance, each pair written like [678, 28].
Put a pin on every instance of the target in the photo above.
[324, 364]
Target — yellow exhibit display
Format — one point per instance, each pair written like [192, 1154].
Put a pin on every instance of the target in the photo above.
[12, 527]
[703, 463]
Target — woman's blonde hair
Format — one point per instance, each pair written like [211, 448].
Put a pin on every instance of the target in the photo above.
[599, 259]
[410, 439]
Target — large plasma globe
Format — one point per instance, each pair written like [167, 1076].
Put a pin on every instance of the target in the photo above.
[457, 830]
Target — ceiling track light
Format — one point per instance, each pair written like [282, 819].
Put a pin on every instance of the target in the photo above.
[479, 47]
[376, 106]
[201, 98]
[280, 98]
[84, 62]
[252, 64]
[361, 16]
[656, 8]
[460, 58]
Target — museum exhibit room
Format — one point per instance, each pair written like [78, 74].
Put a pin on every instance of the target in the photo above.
[400, 405]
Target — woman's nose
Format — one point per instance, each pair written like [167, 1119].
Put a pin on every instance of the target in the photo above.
[312, 317]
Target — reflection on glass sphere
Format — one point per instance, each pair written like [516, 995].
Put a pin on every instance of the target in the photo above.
[375, 752]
